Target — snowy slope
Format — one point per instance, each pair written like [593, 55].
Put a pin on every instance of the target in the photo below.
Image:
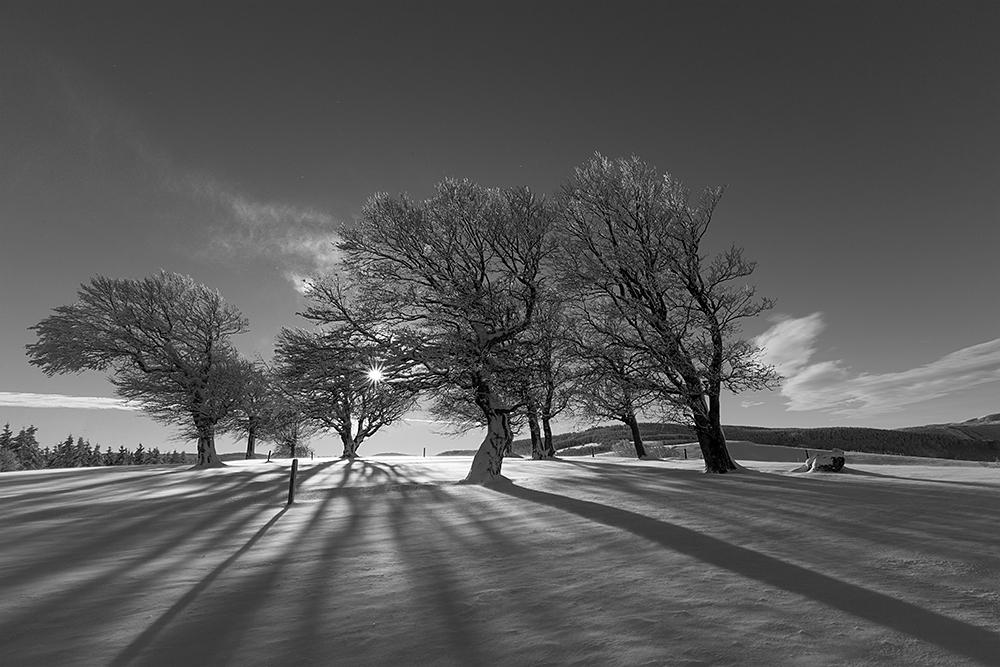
[580, 562]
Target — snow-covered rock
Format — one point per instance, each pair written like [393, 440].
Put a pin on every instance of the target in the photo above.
[832, 461]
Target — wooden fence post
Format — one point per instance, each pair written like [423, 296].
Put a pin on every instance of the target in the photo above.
[291, 481]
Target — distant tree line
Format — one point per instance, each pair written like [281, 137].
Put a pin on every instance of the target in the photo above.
[23, 452]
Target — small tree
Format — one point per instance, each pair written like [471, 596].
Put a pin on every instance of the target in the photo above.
[344, 381]
[633, 239]
[609, 381]
[165, 340]
[256, 401]
[288, 429]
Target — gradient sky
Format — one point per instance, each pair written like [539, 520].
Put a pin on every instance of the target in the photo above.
[227, 140]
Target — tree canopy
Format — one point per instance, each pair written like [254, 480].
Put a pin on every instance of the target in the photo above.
[632, 239]
[165, 340]
[344, 382]
[453, 280]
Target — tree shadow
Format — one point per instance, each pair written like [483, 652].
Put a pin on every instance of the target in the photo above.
[137, 645]
[956, 636]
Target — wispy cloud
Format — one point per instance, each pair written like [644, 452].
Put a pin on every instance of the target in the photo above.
[298, 240]
[750, 404]
[831, 386]
[13, 399]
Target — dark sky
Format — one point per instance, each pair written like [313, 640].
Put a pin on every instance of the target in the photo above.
[227, 140]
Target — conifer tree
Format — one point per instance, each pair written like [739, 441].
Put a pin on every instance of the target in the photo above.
[8, 459]
[26, 448]
[124, 457]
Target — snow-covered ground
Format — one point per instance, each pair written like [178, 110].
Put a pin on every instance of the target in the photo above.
[589, 561]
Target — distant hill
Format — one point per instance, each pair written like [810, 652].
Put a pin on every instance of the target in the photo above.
[968, 441]
[986, 427]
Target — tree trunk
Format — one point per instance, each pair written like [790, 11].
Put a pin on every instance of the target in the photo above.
[536, 437]
[488, 460]
[207, 456]
[251, 439]
[711, 438]
[633, 424]
[549, 450]
[350, 447]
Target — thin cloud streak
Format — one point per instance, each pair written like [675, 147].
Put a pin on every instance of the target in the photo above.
[299, 240]
[831, 387]
[14, 399]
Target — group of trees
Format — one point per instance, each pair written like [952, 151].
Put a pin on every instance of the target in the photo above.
[507, 308]
[495, 307]
[166, 341]
[23, 452]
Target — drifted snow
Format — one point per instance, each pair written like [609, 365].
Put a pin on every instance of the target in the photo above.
[593, 561]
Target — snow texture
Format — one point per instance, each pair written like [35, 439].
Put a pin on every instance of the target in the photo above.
[582, 562]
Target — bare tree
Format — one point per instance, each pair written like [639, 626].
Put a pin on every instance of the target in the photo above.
[344, 382]
[256, 404]
[635, 241]
[288, 428]
[455, 280]
[165, 340]
[609, 380]
[547, 371]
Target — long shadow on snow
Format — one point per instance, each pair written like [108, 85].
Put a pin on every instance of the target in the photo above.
[158, 551]
[406, 507]
[953, 635]
[831, 486]
[130, 652]
[185, 641]
[857, 507]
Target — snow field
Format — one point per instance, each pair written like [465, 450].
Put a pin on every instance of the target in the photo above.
[592, 561]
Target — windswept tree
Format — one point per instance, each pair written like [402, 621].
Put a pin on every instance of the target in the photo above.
[633, 238]
[344, 381]
[455, 280]
[165, 340]
[256, 404]
[289, 428]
